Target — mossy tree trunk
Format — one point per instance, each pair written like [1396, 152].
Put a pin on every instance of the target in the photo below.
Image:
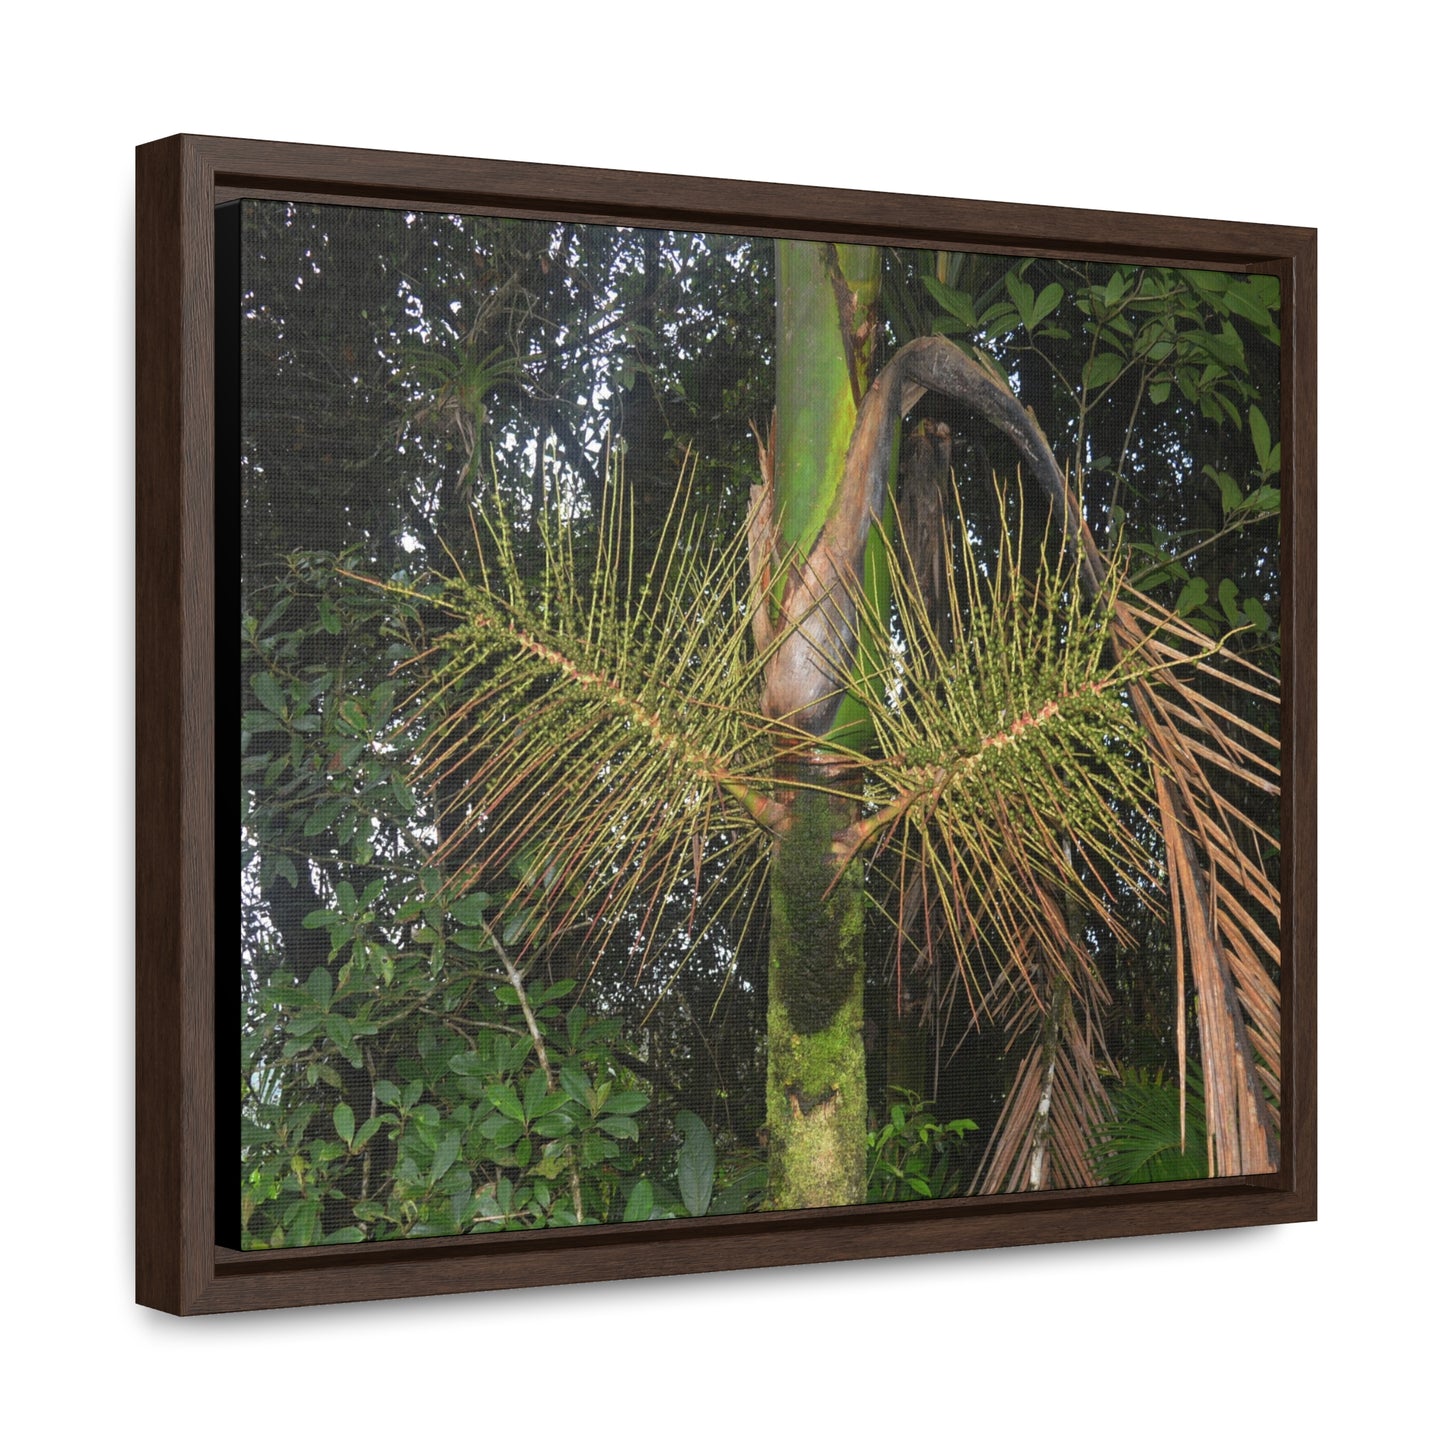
[817, 1079]
[807, 589]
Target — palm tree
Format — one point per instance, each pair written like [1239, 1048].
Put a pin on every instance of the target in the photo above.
[781, 720]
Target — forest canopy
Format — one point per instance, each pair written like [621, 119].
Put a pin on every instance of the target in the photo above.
[734, 724]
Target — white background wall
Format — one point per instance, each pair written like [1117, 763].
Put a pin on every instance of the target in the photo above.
[1247, 111]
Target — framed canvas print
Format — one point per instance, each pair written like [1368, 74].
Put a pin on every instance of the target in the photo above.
[774, 724]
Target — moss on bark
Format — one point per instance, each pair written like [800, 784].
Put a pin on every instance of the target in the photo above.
[817, 1078]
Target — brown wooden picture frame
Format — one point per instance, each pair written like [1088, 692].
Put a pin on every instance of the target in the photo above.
[180, 1267]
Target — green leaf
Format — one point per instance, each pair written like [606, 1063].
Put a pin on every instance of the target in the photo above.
[639, 1203]
[1023, 296]
[471, 910]
[1254, 610]
[627, 1101]
[319, 986]
[575, 1084]
[387, 1093]
[1102, 370]
[1213, 282]
[1230, 495]
[696, 1164]
[345, 1122]
[272, 694]
[322, 817]
[368, 1128]
[956, 303]
[504, 1097]
[1194, 592]
[1228, 598]
[448, 1147]
[534, 1093]
[1159, 392]
[1240, 299]
[1259, 433]
[516, 925]
[1047, 303]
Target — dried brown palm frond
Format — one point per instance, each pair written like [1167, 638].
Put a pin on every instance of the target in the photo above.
[1046, 1133]
[1226, 905]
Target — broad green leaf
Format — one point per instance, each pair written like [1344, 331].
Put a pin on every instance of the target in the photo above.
[1102, 370]
[504, 1097]
[345, 1121]
[639, 1203]
[575, 1084]
[626, 1101]
[1230, 495]
[696, 1164]
[534, 1093]
[1259, 433]
[1240, 299]
[1254, 610]
[596, 1149]
[1047, 303]
[1023, 297]
[319, 986]
[322, 817]
[1194, 592]
[956, 303]
[471, 910]
[1159, 392]
[448, 1148]
[272, 694]
[1213, 282]
[368, 1128]
[1228, 598]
